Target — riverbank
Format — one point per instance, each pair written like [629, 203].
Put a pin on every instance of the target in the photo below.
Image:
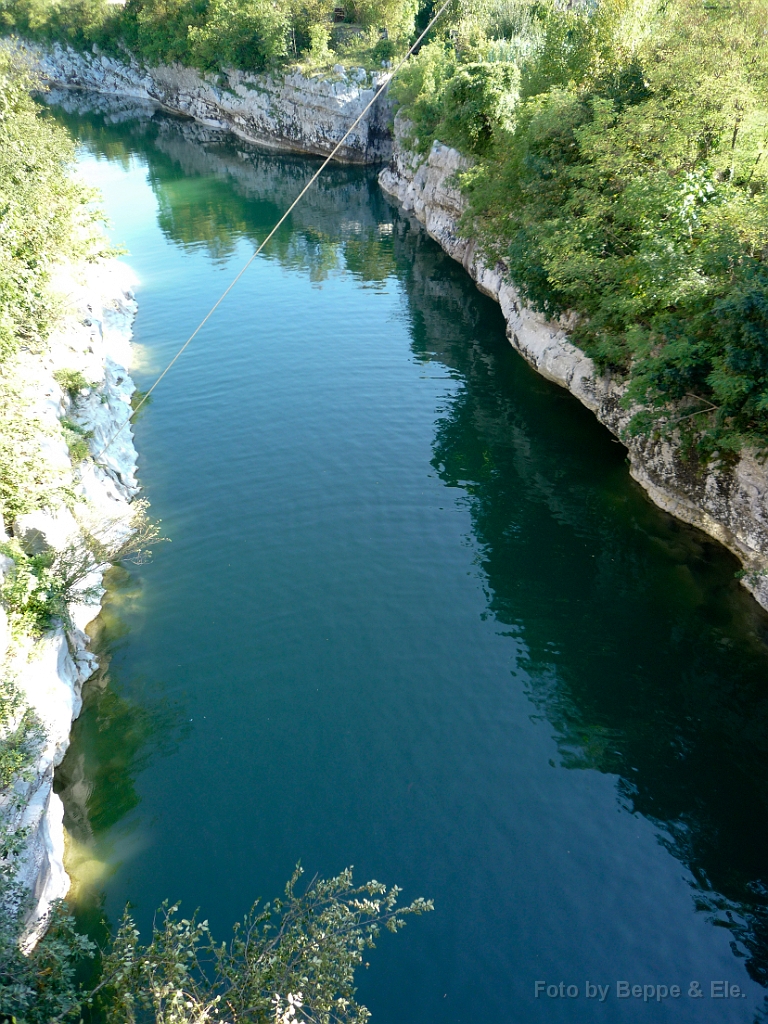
[728, 503]
[291, 112]
[92, 338]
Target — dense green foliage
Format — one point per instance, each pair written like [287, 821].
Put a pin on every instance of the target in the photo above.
[44, 214]
[39, 988]
[252, 35]
[291, 960]
[620, 173]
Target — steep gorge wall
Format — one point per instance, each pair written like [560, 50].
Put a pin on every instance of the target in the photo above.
[94, 337]
[292, 112]
[730, 504]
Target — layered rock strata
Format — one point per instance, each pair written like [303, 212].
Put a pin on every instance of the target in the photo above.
[728, 503]
[292, 112]
[94, 338]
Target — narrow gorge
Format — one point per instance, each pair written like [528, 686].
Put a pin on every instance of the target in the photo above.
[416, 615]
[310, 115]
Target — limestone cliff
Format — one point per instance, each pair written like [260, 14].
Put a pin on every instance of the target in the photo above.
[730, 504]
[94, 338]
[290, 112]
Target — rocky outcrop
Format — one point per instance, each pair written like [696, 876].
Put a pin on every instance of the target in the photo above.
[292, 112]
[729, 503]
[94, 338]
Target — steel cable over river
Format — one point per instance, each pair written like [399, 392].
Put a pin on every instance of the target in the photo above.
[415, 617]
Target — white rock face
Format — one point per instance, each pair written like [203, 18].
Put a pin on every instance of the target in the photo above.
[309, 115]
[730, 505]
[94, 337]
[42, 531]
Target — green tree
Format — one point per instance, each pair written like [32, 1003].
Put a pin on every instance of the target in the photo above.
[397, 17]
[158, 31]
[247, 34]
[45, 214]
[635, 195]
[291, 960]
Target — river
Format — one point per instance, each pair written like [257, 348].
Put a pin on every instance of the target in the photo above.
[414, 617]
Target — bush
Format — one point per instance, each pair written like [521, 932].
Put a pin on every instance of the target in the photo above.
[294, 959]
[420, 88]
[21, 735]
[76, 438]
[479, 105]
[384, 50]
[79, 23]
[71, 381]
[39, 588]
[247, 34]
[395, 17]
[635, 194]
[44, 213]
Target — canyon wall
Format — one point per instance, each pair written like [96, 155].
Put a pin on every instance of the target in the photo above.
[729, 503]
[288, 112]
[94, 338]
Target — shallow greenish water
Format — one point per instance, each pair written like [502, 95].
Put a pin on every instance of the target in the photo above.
[414, 617]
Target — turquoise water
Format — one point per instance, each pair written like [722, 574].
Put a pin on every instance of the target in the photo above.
[414, 617]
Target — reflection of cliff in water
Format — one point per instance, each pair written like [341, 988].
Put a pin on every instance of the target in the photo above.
[682, 721]
[213, 189]
[112, 742]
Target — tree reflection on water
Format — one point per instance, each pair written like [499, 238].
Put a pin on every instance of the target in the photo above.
[682, 720]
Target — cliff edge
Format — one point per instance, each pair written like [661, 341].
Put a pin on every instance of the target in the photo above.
[729, 503]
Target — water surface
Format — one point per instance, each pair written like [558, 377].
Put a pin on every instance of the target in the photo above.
[415, 617]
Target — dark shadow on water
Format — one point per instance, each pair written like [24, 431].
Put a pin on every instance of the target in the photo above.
[681, 721]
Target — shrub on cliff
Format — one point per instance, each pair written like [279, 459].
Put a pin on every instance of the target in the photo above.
[628, 183]
[291, 960]
[33, 989]
[252, 35]
[77, 22]
[464, 104]
[45, 214]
